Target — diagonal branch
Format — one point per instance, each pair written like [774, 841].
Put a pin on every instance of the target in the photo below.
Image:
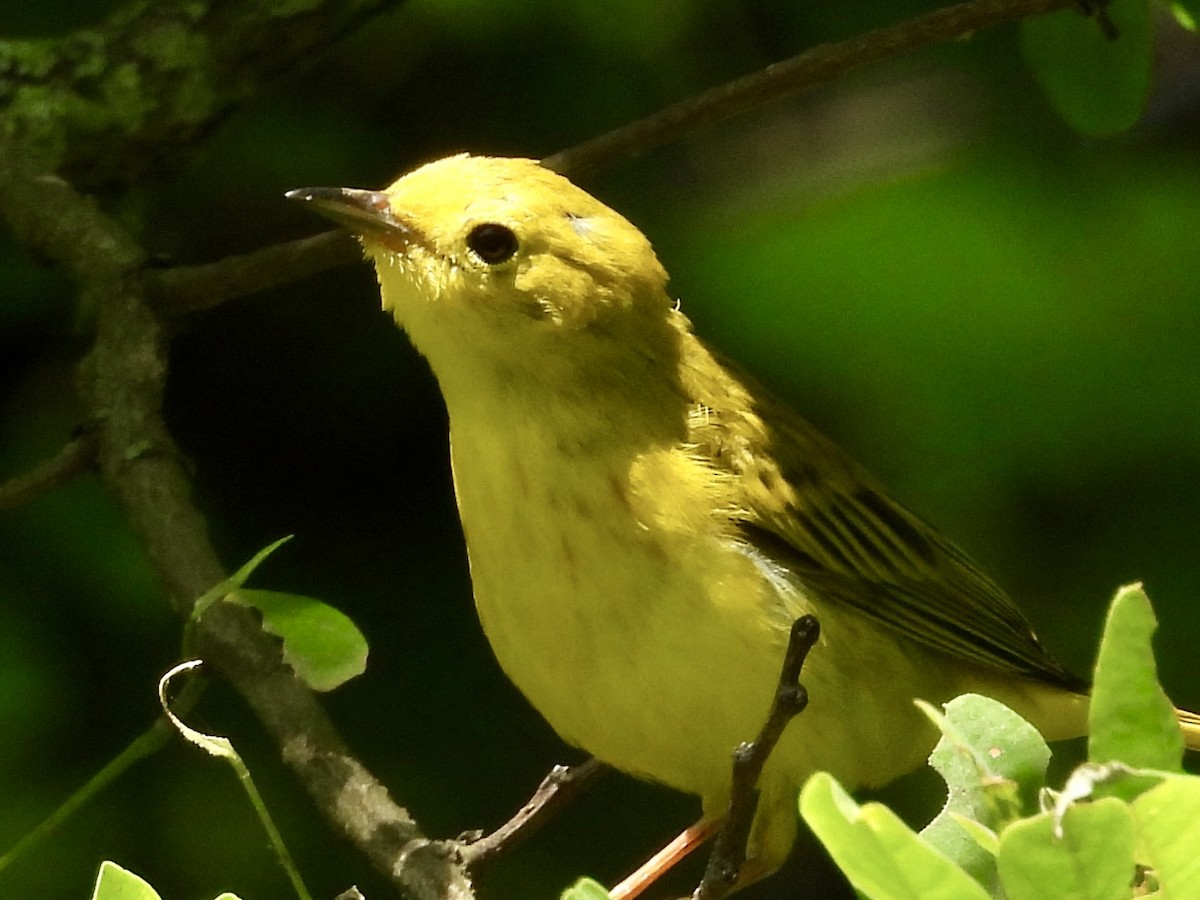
[790, 700]
[121, 383]
[187, 289]
[556, 790]
[73, 459]
[201, 287]
[809, 69]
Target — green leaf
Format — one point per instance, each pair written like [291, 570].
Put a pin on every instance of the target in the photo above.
[322, 644]
[585, 889]
[1093, 860]
[115, 883]
[1168, 824]
[882, 857]
[234, 581]
[987, 839]
[989, 758]
[1186, 13]
[1098, 85]
[1131, 719]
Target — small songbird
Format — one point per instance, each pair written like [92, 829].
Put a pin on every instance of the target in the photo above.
[644, 522]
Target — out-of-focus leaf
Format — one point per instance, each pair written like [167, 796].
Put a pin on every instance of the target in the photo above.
[1168, 824]
[880, 855]
[585, 889]
[1186, 13]
[1093, 860]
[1099, 85]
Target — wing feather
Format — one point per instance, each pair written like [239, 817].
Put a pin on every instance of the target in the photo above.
[807, 507]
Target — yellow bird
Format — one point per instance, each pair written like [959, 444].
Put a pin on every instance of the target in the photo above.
[644, 522]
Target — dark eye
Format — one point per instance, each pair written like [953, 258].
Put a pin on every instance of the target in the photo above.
[492, 243]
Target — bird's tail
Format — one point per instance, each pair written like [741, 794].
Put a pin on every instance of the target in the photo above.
[1190, 723]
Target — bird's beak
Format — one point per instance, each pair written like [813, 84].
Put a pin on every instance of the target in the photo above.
[360, 212]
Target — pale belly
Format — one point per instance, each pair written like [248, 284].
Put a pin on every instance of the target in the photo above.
[658, 649]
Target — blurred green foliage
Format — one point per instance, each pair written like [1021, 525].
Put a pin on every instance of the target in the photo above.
[1097, 77]
[997, 315]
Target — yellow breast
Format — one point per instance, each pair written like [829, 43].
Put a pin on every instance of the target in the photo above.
[654, 640]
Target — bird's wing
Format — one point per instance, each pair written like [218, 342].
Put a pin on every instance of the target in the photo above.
[844, 540]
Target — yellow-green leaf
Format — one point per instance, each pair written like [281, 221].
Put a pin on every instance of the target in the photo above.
[880, 855]
[1093, 860]
[116, 883]
[1131, 720]
[322, 644]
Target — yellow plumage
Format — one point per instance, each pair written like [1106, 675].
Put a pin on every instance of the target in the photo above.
[644, 522]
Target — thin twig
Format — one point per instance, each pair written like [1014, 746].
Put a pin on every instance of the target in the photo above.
[75, 458]
[557, 789]
[1098, 10]
[729, 852]
[142, 747]
[202, 287]
[187, 289]
[816, 66]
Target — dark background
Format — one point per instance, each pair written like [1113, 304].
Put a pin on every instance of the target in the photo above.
[995, 314]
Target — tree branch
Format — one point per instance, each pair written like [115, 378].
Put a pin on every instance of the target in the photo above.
[187, 289]
[791, 698]
[155, 78]
[73, 459]
[121, 382]
[202, 287]
[557, 789]
[813, 67]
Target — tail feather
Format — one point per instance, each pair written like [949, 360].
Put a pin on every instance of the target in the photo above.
[1190, 723]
